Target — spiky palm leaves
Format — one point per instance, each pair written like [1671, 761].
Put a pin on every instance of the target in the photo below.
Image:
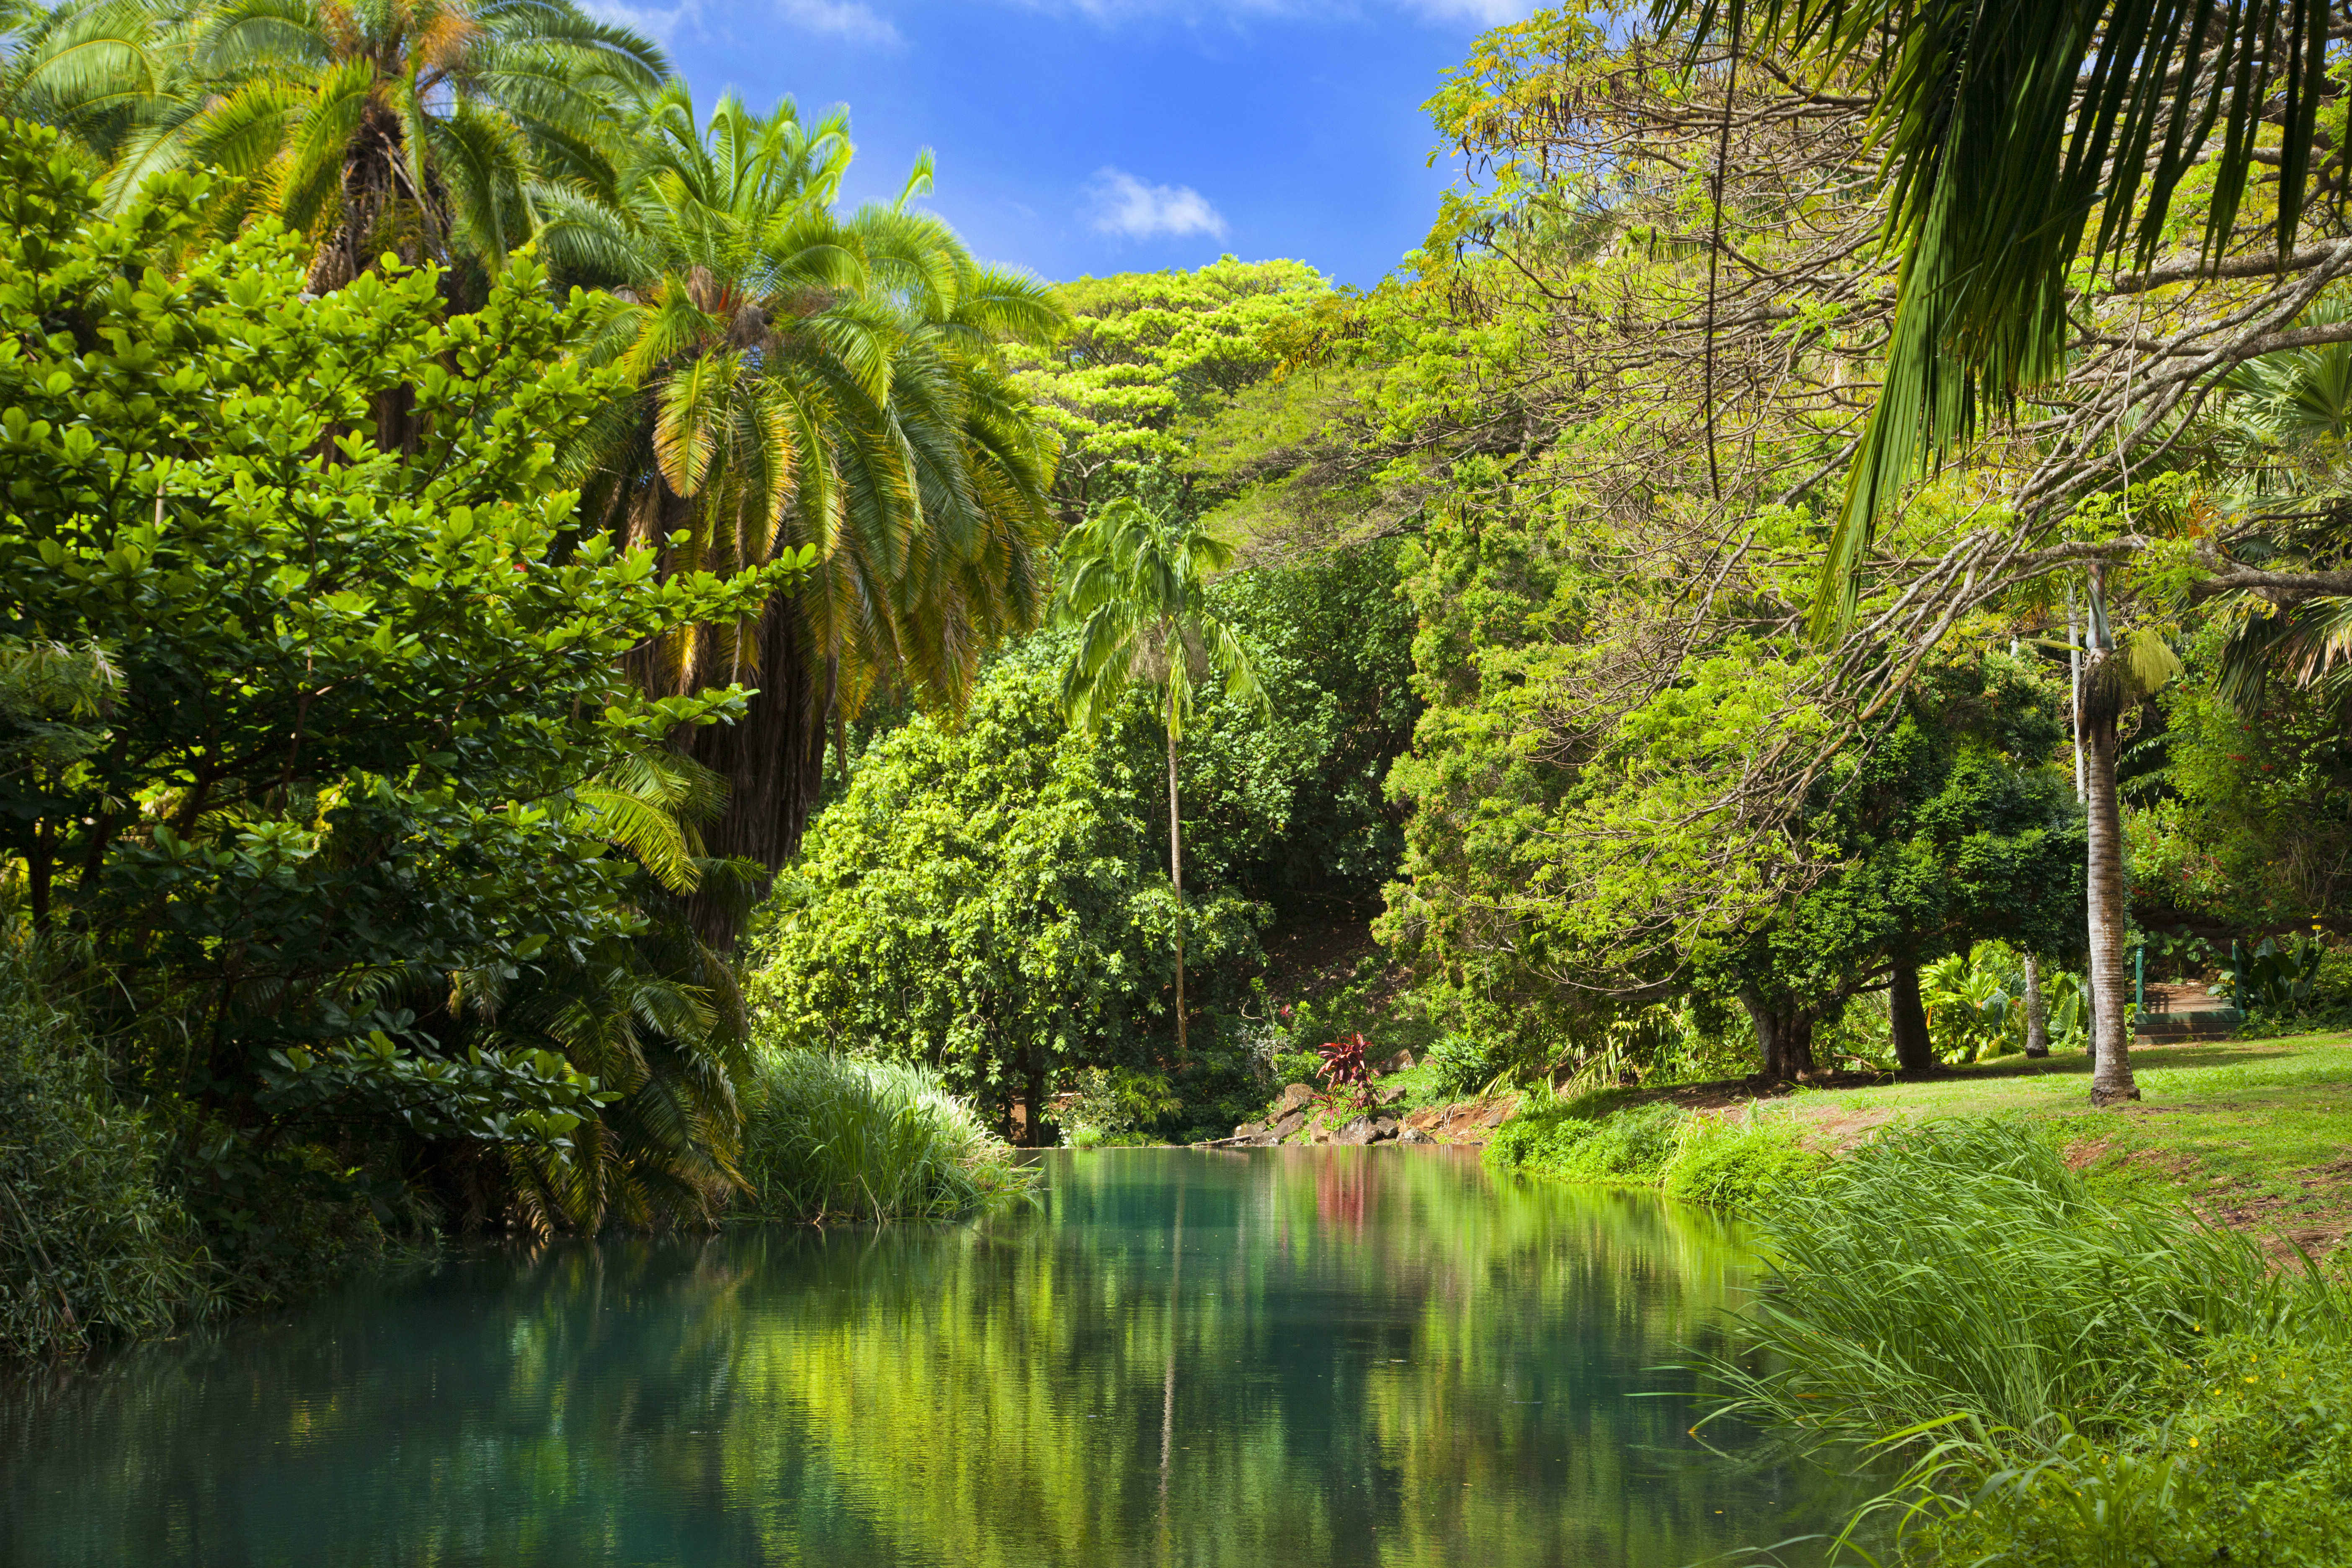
[807, 380]
[657, 1017]
[2284, 421]
[1137, 590]
[2006, 126]
[416, 127]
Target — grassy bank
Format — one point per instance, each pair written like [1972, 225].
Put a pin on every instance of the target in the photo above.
[2070, 1376]
[2255, 1134]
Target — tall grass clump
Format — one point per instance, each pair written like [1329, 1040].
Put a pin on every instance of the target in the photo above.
[2068, 1380]
[842, 1138]
[1959, 1268]
[95, 1247]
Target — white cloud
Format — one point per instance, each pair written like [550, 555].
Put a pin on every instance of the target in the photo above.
[850, 19]
[1479, 13]
[659, 24]
[1112, 13]
[1125, 205]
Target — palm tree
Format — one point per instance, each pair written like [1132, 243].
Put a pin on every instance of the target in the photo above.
[413, 126]
[806, 382]
[1137, 591]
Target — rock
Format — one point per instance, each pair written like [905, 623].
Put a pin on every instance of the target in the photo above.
[1427, 1117]
[1286, 1126]
[1401, 1062]
[1296, 1097]
[1391, 1096]
[1357, 1132]
[1249, 1128]
[1384, 1129]
[1414, 1135]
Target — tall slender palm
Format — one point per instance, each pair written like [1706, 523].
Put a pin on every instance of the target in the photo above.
[1136, 589]
[806, 380]
[413, 126]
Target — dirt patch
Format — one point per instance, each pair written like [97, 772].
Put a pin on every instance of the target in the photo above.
[1466, 1122]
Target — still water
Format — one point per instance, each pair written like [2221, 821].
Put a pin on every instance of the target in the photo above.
[1270, 1358]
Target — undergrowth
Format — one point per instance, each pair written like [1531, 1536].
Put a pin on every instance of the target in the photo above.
[843, 1138]
[95, 1246]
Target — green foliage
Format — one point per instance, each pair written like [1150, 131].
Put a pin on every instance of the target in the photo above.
[841, 1138]
[1464, 1065]
[1149, 352]
[1288, 806]
[2072, 1380]
[1745, 1166]
[1107, 1103]
[2247, 819]
[986, 898]
[1598, 1139]
[1585, 1140]
[351, 730]
[94, 1245]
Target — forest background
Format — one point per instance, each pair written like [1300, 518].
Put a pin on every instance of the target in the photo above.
[528, 625]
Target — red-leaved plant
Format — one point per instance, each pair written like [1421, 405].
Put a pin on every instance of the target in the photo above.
[1347, 1072]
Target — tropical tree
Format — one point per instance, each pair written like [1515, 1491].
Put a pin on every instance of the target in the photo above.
[412, 127]
[2002, 133]
[1137, 591]
[807, 378]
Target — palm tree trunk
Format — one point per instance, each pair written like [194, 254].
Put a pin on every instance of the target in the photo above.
[1176, 879]
[773, 761]
[2111, 1076]
[1913, 1050]
[2037, 1014]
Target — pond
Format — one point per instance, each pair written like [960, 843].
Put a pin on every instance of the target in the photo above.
[1280, 1357]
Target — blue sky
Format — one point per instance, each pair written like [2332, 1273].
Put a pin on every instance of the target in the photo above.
[1095, 136]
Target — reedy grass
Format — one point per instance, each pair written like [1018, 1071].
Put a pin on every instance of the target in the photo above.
[1960, 1267]
[842, 1138]
[95, 1247]
[1952, 1296]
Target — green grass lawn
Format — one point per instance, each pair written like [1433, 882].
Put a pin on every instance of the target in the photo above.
[2255, 1132]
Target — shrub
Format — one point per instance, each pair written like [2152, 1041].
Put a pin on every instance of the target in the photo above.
[1296, 1067]
[1580, 1141]
[1111, 1104]
[842, 1138]
[1465, 1065]
[92, 1246]
[1740, 1165]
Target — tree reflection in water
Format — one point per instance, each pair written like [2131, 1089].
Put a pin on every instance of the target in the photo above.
[1294, 1357]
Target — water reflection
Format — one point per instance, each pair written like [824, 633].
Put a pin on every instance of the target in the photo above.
[1280, 1357]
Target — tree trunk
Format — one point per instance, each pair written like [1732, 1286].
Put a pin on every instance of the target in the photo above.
[2037, 1015]
[2111, 1076]
[773, 761]
[1913, 1050]
[1033, 1092]
[1786, 1038]
[1176, 879]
